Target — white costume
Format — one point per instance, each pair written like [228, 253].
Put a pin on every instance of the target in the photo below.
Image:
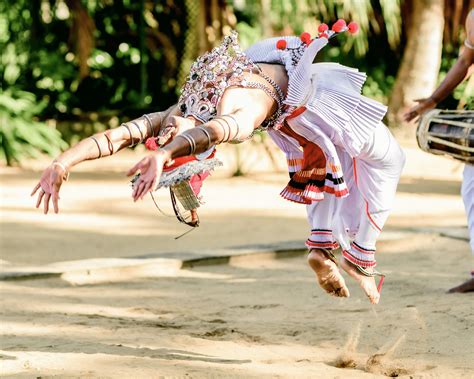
[467, 191]
[343, 161]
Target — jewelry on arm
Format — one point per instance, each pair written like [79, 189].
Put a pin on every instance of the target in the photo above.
[66, 172]
[98, 146]
[56, 163]
[209, 141]
[229, 128]
[110, 145]
[152, 129]
[223, 126]
[147, 121]
[130, 134]
[139, 130]
[191, 141]
[236, 124]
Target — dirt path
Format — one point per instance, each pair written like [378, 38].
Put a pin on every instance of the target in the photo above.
[250, 319]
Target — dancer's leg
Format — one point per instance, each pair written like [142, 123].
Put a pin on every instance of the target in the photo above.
[377, 171]
[320, 244]
[467, 191]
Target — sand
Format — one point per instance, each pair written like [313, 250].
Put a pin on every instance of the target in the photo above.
[251, 318]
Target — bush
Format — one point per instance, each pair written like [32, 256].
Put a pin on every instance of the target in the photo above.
[20, 134]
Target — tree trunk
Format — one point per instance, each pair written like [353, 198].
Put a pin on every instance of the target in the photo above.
[82, 34]
[418, 72]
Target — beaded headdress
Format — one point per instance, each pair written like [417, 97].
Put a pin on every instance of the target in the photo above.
[209, 76]
[297, 52]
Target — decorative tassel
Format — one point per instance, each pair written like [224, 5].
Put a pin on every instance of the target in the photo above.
[281, 44]
[305, 38]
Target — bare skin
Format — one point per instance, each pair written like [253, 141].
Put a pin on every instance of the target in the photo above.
[249, 106]
[455, 75]
[246, 108]
[367, 283]
[467, 286]
[329, 276]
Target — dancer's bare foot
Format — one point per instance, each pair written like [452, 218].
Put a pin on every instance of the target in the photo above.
[467, 286]
[367, 283]
[329, 277]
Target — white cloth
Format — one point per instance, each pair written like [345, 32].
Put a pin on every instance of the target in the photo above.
[467, 191]
[361, 154]
[372, 179]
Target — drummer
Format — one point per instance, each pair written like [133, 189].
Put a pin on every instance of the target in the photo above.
[457, 73]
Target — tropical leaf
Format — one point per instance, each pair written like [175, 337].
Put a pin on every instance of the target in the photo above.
[20, 135]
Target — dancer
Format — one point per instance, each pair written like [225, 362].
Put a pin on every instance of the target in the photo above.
[456, 75]
[344, 164]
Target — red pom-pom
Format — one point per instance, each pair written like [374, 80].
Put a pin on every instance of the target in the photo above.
[323, 35]
[151, 144]
[281, 44]
[339, 25]
[305, 37]
[353, 27]
[322, 28]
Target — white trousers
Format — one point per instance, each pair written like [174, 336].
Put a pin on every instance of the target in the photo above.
[355, 222]
[467, 192]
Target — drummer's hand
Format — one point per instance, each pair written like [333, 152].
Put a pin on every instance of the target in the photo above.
[420, 108]
[49, 185]
[150, 169]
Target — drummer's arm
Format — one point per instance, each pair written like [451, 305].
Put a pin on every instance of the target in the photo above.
[460, 69]
[455, 75]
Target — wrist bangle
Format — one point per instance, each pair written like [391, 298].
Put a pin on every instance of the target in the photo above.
[66, 172]
[56, 163]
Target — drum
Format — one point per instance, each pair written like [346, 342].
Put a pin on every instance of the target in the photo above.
[447, 133]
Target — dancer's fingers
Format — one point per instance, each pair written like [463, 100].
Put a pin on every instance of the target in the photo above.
[135, 168]
[37, 187]
[40, 197]
[139, 190]
[135, 187]
[148, 188]
[55, 200]
[47, 196]
[144, 189]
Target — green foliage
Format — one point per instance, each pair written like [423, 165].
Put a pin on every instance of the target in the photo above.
[40, 53]
[375, 49]
[20, 135]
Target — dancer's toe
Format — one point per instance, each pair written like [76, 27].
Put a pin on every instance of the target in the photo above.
[329, 277]
[367, 283]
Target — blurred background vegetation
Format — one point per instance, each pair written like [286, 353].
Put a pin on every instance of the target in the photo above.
[69, 68]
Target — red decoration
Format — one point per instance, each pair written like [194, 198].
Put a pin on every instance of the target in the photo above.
[151, 144]
[323, 35]
[305, 37]
[353, 27]
[322, 28]
[339, 25]
[296, 112]
[281, 44]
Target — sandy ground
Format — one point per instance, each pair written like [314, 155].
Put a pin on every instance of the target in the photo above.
[252, 318]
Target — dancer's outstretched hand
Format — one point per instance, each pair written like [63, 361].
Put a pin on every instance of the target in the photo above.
[150, 169]
[49, 185]
[420, 108]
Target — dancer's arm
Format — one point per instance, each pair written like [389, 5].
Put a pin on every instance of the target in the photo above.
[97, 146]
[235, 120]
[455, 75]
